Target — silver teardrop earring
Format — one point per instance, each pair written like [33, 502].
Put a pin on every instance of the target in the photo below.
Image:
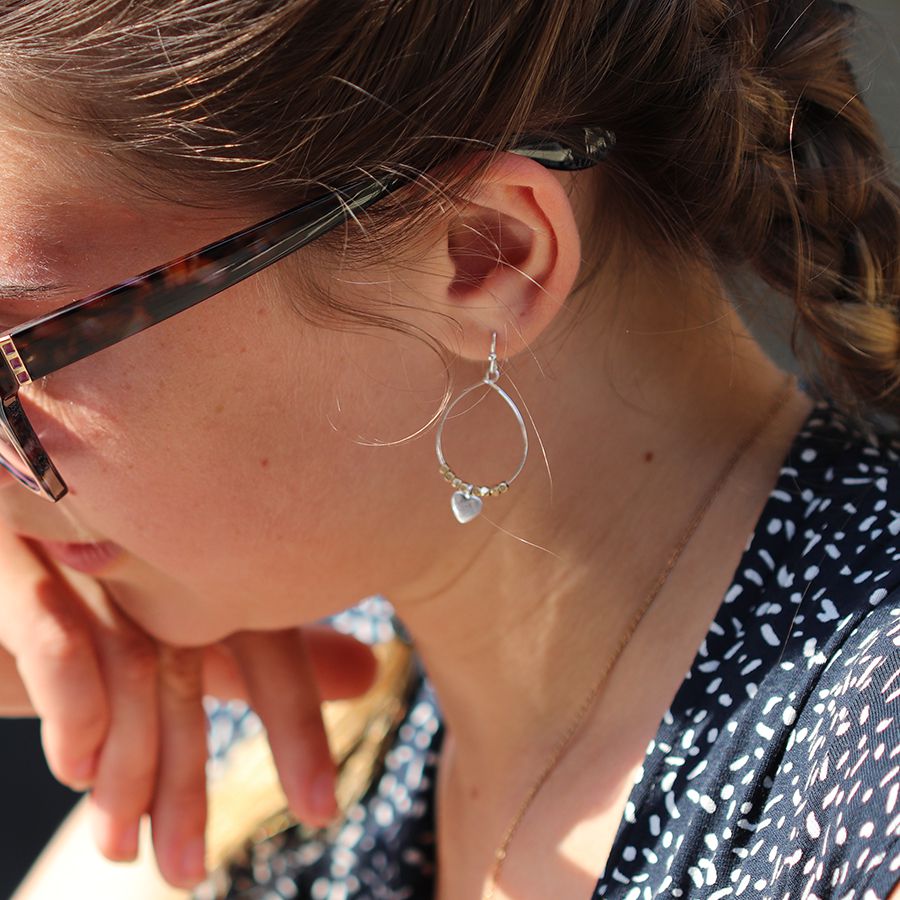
[468, 498]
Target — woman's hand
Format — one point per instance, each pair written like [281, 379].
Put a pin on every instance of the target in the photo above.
[122, 715]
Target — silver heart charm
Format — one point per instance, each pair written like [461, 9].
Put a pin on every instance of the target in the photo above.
[465, 508]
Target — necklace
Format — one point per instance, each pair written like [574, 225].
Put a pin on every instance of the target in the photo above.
[502, 850]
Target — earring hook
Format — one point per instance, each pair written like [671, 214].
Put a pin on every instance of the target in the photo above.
[493, 372]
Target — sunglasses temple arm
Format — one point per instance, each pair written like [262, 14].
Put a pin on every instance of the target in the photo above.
[95, 323]
[87, 326]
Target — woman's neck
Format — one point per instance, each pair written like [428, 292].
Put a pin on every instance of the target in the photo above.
[515, 638]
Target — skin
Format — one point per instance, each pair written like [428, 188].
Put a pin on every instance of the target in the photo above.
[121, 713]
[230, 453]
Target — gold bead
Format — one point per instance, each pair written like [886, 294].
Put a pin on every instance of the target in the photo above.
[457, 483]
[503, 487]
[495, 492]
[449, 476]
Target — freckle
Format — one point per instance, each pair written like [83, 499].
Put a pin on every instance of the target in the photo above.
[264, 463]
[219, 409]
[474, 792]
[242, 350]
[648, 456]
[262, 311]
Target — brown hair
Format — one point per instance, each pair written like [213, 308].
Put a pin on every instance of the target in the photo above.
[741, 134]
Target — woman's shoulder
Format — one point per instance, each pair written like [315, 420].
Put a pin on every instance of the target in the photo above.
[823, 556]
[827, 543]
[775, 770]
[828, 708]
[833, 799]
[841, 765]
[794, 785]
[842, 474]
[826, 552]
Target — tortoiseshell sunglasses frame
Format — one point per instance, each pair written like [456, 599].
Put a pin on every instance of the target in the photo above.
[86, 326]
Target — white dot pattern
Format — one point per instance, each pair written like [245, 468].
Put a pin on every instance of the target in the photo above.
[775, 772]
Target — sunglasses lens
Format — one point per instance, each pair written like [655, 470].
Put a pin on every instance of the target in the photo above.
[13, 462]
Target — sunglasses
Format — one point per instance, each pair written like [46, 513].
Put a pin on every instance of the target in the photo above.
[86, 326]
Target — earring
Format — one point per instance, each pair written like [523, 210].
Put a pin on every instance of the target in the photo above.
[468, 498]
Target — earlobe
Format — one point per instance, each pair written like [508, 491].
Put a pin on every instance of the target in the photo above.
[514, 253]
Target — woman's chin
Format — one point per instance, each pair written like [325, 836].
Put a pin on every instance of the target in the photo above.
[170, 614]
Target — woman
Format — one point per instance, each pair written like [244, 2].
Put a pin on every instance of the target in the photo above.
[548, 202]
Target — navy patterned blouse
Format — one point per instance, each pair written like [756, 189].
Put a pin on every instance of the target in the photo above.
[775, 772]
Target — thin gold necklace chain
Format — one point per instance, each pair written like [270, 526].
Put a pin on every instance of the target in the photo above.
[501, 852]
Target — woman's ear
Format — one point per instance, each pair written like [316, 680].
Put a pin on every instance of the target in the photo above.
[509, 257]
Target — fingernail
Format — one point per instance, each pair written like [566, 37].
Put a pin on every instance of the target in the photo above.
[322, 796]
[126, 844]
[193, 861]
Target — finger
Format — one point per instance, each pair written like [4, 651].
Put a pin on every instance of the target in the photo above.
[222, 676]
[179, 804]
[283, 693]
[14, 699]
[126, 772]
[46, 629]
[342, 667]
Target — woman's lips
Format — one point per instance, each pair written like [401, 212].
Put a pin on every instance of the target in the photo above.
[91, 559]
